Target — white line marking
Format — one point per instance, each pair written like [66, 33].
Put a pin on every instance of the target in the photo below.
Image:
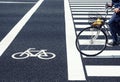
[79, 5]
[81, 26]
[87, 33]
[77, 21]
[88, 7]
[75, 66]
[97, 70]
[89, 12]
[88, 42]
[106, 54]
[80, 20]
[16, 2]
[16, 29]
[87, 16]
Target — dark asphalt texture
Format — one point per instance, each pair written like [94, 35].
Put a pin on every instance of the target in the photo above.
[45, 30]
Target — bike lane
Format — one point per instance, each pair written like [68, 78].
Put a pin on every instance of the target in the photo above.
[45, 30]
[9, 15]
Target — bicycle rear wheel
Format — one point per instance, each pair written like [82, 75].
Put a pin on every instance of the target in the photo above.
[91, 41]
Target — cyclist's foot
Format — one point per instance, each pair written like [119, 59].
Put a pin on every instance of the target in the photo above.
[113, 43]
[118, 34]
[119, 38]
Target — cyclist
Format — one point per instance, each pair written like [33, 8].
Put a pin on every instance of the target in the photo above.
[113, 23]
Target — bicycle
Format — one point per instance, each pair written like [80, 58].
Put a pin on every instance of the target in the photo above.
[96, 34]
[31, 52]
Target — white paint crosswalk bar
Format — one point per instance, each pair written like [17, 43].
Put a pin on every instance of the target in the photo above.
[88, 42]
[75, 21]
[4, 44]
[85, 16]
[89, 12]
[105, 71]
[87, 7]
[79, 5]
[88, 33]
[81, 26]
[101, 10]
[106, 54]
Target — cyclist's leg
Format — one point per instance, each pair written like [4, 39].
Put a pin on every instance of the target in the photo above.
[113, 28]
[118, 28]
[118, 32]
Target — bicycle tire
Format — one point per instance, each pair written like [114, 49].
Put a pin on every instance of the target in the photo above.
[89, 43]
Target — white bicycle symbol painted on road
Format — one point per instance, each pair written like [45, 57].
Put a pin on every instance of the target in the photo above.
[32, 52]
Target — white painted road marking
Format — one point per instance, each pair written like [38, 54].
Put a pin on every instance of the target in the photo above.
[7, 40]
[75, 66]
[106, 54]
[103, 70]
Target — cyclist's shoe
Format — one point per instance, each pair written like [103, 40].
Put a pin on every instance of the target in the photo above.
[118, 34]
[119, 38]
[113, 44]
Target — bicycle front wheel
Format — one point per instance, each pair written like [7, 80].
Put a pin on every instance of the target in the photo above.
[91, 41]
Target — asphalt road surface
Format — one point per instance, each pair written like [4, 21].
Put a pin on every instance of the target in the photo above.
[44, 30]
[36, 28]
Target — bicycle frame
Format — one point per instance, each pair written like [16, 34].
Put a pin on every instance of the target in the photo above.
[105, 25]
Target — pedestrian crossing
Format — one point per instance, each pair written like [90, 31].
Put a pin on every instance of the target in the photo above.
[81, 15]
[99, 66]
